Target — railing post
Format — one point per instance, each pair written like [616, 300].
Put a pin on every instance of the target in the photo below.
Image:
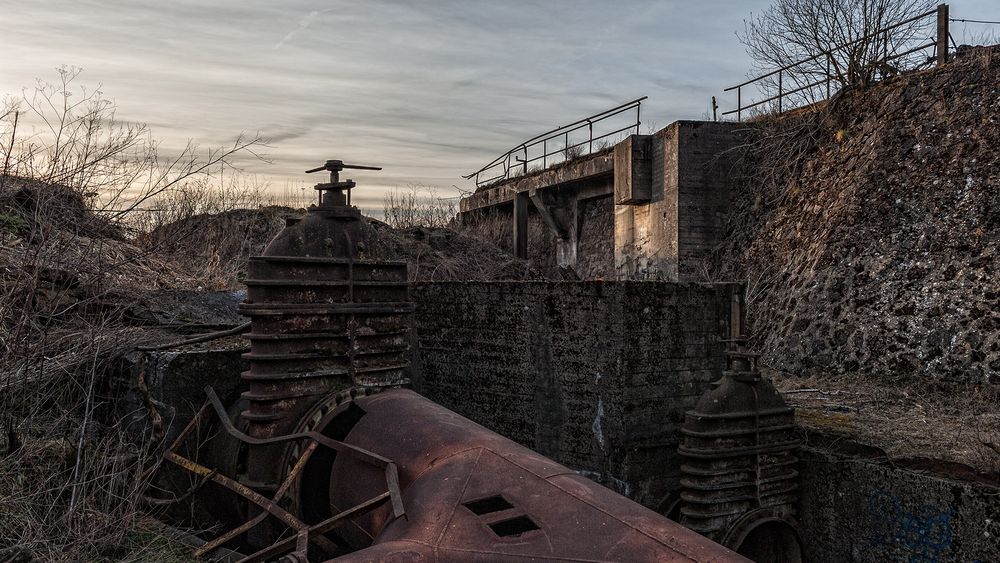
[828, 55]
[590, 129]
[780, 91]
[545, 153]
[942, 34]
[524, 165]
[739, 103]
[566, 145]
[638, 122]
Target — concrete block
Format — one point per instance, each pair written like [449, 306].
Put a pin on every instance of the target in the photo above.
[633, 170]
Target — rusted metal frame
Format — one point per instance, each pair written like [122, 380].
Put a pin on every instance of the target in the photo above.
[187, 494]
[712, 453]
[910, 51]
[278, 495]
[260, 500]
[339, 446]
[391, 472]
[392, 483]
[570, 127]
[191, 425]
[321, 528]
[197, 339]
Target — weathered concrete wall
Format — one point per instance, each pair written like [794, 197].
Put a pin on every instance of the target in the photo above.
[667, 237]
[174, 382]
[856, 510]
[595, 243]
[595, 375]
[646, 234]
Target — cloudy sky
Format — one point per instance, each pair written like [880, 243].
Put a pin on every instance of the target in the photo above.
[428, 89]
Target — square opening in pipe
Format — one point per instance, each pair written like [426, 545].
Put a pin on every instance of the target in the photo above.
[514, 527]
[488, 505]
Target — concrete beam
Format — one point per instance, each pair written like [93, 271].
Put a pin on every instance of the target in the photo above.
[580, 172]
[550, 208]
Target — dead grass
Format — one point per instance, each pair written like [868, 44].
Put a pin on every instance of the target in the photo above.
[959, 425]
[72, 283]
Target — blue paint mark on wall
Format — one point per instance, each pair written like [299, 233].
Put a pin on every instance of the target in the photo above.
[924, 533]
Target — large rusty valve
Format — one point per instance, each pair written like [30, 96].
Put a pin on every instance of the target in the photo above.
[335, 167]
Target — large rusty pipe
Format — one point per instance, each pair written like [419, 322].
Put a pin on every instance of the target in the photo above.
[471, 494]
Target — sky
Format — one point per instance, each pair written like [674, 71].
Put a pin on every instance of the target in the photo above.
[430, 90]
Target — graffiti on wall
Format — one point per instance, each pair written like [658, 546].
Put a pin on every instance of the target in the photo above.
[924, 533]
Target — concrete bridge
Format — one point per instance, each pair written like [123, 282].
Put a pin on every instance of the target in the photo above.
[660, 201]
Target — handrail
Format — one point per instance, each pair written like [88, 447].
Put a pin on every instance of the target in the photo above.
[831, 50]
[940, 11]
[562, 132]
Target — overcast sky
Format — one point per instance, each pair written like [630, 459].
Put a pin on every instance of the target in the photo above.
[429, 89]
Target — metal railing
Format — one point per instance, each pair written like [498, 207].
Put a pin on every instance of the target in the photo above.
[516, 160]
[939, 43]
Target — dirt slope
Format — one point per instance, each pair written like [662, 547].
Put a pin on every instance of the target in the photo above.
[880, 256]
[869, 231]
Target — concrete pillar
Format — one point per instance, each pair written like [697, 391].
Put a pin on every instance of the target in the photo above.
[567, 244]
[521, 225]
[560, 212]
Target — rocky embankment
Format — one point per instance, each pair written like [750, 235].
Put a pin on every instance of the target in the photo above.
[877, 255]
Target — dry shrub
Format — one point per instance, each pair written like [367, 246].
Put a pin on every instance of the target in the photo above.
[72, 285]
[417, 206]
[490, 226]
[211, 231]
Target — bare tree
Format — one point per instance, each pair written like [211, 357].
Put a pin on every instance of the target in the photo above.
[848, 42]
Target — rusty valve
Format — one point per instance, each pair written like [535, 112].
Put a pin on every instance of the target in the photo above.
[335, 185]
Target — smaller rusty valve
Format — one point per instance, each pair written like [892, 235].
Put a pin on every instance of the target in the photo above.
[332, 193]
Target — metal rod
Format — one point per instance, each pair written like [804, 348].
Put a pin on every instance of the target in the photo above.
[197, 339]
[779, 91]
[562, 131]
[321, 528]
[739, 104]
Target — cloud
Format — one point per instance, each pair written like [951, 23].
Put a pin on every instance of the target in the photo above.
[304, 23]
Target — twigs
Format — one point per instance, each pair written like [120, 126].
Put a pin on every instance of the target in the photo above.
[70, 280]
[240, 329]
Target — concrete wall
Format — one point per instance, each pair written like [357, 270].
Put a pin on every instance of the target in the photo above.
[689, 197]
[595, 375]
[662, 201]
[856, 510]
[595, 241]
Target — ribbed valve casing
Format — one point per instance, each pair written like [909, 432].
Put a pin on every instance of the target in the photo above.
[739, 447]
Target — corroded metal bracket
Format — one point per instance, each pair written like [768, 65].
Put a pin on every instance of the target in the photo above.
[304, 533]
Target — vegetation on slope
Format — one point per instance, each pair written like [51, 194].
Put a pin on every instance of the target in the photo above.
[869, 231]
